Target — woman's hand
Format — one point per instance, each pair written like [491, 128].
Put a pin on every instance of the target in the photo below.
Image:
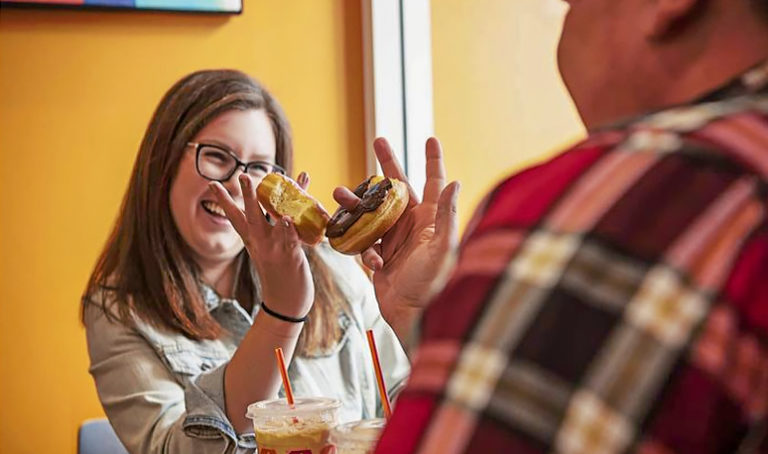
[412, 257]
[275, 251]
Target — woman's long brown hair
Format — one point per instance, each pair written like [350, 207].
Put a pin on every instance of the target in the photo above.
[146, 269]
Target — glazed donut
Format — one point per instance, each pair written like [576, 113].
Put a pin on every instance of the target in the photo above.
[281, 196]
[383, 201]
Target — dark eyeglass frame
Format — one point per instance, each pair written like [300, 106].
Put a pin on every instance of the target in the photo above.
[238, 163]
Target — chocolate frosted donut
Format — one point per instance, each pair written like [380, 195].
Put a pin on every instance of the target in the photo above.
[370, 200]
[382, 202]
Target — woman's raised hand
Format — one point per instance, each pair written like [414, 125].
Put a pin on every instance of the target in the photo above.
[275, 251]
[411, 258]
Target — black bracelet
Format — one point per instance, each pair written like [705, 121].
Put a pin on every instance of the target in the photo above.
[282, 317]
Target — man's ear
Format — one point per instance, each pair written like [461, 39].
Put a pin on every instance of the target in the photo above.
[668, 16]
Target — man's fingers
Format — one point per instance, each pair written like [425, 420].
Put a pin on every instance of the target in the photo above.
[446, 219]
[233, 212]
[346, 198]
[391, 167]
[435, 171]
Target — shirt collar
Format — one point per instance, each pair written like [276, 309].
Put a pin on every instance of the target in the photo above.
[211, 299]
[754, 81]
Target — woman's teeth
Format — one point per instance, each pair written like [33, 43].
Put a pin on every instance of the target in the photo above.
[214, 208]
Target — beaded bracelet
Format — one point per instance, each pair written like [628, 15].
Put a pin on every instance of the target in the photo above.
[282, 317]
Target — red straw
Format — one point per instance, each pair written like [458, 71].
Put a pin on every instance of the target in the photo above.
[379, 376]
[284, 374]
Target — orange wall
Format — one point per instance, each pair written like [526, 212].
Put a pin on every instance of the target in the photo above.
[499, 103]
[76, 91]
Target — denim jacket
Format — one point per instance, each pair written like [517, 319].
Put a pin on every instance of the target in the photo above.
[164, 393]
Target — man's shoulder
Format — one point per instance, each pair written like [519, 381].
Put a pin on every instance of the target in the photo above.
[732, 130]
[730, 135]
[521, 200]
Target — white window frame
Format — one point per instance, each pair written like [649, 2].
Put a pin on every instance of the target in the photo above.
[397, 58]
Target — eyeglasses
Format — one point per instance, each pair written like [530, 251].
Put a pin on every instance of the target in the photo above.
[219, 164]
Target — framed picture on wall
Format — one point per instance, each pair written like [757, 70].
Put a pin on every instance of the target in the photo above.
[201, 6]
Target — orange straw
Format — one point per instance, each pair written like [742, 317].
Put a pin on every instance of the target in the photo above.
[379, 376]
[284, 374]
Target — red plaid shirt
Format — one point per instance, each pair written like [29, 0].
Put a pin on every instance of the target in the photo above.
[613, 299]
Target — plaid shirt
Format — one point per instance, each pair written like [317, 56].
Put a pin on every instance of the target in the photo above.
[613, 299]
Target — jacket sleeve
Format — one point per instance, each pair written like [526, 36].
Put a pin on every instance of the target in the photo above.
[149, 409]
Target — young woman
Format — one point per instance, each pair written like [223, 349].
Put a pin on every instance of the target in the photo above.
[182, 320]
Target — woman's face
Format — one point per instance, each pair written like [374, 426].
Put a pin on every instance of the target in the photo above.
[200, 220]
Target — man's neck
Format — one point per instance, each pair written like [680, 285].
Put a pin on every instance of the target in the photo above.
[692, 67]
[686, 83]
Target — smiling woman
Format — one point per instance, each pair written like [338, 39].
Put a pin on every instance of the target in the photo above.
[111, 68]
[176, 334]
[209, 235]
[203, 105]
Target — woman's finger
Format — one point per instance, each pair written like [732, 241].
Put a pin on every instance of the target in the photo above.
[435, 171]
[372, 257]
[391, 167]
[346, 198]
[303, 180]
[253, 212]
[233, 212]
[447, 219]
[288, 233]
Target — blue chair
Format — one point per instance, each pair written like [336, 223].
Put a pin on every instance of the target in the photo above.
[96, 436]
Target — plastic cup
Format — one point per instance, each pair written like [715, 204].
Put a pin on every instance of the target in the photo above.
[357, 437]
[303, 429]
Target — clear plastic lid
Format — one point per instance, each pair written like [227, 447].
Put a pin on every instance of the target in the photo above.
[355, 433]
[302, 406]
[307, 411]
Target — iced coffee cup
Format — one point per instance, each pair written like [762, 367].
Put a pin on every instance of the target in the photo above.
[303, 428]
[357, 437]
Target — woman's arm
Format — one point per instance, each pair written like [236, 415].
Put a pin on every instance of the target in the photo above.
[252, 374]
[394, 361]
[149, 410]
[286, 287]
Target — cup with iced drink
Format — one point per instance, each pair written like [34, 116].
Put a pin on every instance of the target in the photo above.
[357, 437]
[299, 429]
